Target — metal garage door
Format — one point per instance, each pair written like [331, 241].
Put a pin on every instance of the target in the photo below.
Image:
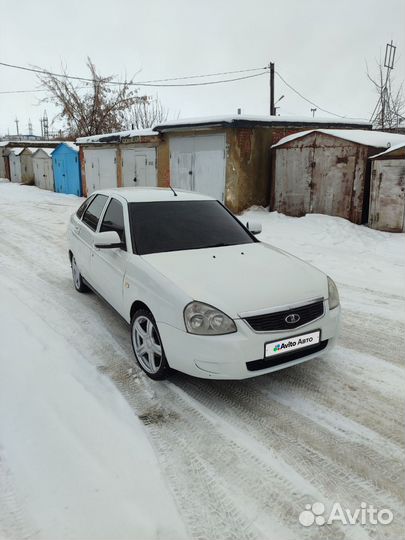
[101, 169]
[198, 164]
[139, 167]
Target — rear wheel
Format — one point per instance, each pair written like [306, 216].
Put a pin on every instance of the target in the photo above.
[77, 277]
[147, 345]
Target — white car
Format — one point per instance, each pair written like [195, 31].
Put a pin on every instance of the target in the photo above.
[202, 294]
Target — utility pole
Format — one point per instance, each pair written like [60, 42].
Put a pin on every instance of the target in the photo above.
[272, 109]
[313, 112]
[45, 126]
[30, 130]
[16, 123]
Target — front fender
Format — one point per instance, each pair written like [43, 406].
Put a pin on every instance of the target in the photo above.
[165, 300]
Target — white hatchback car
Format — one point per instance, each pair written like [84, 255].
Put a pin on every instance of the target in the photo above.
[202, 294]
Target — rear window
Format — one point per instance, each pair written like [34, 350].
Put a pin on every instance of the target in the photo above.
[83, 207]
[158, 227]
[93, 212]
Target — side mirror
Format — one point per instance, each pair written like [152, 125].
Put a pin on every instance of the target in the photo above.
[254, 227]
[107, 240]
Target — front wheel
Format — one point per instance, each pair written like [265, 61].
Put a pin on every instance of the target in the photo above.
[77, 277]
[147, 345]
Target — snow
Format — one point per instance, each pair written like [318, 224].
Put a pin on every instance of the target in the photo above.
[47, 151]
[230, 119]
[17, 151]
[377, 139]
[390, 150]
[91, 448]
[82, 464]
[118, 135]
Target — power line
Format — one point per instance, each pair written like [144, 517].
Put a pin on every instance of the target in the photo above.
[309, 101]
[22, 91]
[149, 83]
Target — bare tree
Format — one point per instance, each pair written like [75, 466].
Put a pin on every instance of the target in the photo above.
[146, 114]
[89, 108]
[390, 108]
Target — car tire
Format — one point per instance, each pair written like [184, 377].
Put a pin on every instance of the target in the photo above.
[77, 277]
[147, 345]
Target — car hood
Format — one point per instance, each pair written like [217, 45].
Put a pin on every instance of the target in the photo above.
[243, 278]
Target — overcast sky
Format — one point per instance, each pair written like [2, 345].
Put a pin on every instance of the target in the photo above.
[319, 46]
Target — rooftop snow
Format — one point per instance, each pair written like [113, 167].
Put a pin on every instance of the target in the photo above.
[70, 144]
[117, 136]
[377, 139]
[260, 119]
[47, 151]
[390, 150]
[16, 151]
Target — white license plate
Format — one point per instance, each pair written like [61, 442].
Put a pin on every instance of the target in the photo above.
[281, 346]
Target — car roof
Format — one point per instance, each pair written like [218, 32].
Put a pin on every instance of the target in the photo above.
[140, 194]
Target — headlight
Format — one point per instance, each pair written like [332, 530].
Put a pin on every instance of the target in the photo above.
[206, 320]
[333, 297]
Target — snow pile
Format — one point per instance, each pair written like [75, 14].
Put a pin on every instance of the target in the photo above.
[75, 461]
[377, 139]
[234, 119]
[117, 136]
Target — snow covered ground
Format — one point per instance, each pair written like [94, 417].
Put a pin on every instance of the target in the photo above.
[91, 448]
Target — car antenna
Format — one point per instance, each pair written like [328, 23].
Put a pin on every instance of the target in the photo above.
[170, 186]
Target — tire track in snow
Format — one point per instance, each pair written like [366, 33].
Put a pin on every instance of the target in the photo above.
[14, 521]
[218, 480]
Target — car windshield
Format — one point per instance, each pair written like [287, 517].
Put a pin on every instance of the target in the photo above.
[157, 227]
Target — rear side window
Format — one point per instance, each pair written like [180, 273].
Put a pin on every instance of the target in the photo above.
[93, 211]
[114, 219]
[83, 207]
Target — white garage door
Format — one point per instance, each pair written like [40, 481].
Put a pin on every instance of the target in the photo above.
[139, 167]
[198, 164]
[101, 169]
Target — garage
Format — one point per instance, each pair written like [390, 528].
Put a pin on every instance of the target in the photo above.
[198, 164]
[122, 159]
[101, 168]
[42, 164]
[15, 164]
[387, 193]
[138, 167]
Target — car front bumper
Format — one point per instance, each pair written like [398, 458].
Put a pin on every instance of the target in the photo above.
[228, 356]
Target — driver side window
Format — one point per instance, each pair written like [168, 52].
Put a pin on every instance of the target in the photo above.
[114, 219]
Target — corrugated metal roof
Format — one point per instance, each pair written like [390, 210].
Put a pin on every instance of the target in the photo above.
[376, 139]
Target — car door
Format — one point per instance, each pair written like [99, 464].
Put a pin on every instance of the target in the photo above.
[108, 266]
[85, 235]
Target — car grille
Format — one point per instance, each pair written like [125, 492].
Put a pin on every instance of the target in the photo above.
[272, 361]
[276, 321]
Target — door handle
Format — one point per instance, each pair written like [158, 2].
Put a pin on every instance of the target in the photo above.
[135, 179]
[77, 229]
